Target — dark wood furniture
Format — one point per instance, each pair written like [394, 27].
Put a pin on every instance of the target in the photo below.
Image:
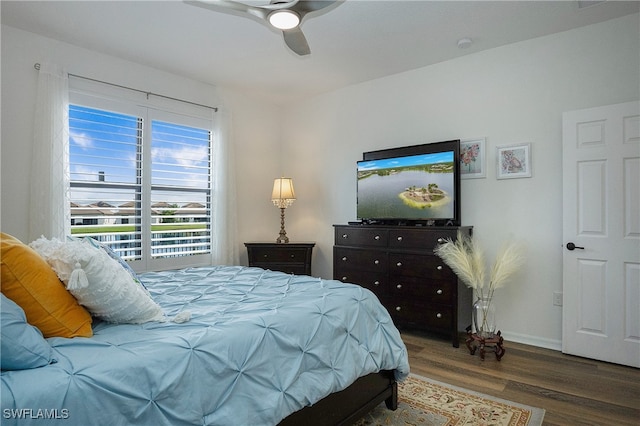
[397, 263]
[351, 404]
[292, 258]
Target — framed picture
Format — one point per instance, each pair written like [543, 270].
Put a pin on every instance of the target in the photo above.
[473, 162]
[514, 161]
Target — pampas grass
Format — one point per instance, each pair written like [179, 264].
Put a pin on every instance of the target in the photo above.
[466, 259]
[508, 261]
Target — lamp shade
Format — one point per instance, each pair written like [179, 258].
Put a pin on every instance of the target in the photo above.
[283, 189]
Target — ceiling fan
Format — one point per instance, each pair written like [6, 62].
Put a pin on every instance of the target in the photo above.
[282, 15]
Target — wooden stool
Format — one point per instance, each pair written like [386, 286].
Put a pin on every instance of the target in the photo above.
[474, 341]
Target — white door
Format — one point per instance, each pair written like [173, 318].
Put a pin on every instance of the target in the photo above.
[601, 227]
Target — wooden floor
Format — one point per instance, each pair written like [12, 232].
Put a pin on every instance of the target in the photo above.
[572, 390]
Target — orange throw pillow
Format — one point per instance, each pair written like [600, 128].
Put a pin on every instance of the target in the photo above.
[30, 282]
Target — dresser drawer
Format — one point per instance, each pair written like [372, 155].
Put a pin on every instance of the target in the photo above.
[412, 288]
[422, 315]
[371, 280]
[352, 258]
[419, 265]
[361, 236]
[418, 238]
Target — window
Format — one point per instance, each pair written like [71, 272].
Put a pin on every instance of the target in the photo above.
[140, 181]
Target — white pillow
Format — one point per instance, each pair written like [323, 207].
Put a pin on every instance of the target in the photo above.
[98, 282]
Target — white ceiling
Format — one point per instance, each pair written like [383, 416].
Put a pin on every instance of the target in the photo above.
[356, 41]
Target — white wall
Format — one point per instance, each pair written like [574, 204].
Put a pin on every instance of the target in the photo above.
[255, 125]
[509, 95]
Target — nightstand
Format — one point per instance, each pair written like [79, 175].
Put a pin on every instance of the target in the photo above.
[292, 258]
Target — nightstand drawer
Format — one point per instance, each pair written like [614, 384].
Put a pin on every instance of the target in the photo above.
[279, 255]
[292, 258]
[287, 268]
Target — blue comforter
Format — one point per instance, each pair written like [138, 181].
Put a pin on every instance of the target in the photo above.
[259, 346]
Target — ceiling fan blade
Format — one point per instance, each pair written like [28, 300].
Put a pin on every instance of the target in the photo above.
[304, 7]
[278, 4]
[295, 39]
[234, 6]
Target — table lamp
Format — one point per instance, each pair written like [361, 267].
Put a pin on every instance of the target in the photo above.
[282, 197]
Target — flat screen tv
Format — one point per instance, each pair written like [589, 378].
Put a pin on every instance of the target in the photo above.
[412, 185]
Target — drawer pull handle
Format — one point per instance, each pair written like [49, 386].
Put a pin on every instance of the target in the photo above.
[441, 240]
[345, 236]
[399, 264]
[265, 255]
[377, 262]
[438, 315]
[439, 291]
[439, 268]
[400, 238]
[377, 237]
[399, 286]
[344, 278]
[376, 283]
[293, 256]
[344, 259]
[398, 308]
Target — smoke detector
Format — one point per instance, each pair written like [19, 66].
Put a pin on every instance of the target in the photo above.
[464, 43]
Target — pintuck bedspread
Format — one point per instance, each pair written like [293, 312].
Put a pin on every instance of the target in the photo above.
[259, 345]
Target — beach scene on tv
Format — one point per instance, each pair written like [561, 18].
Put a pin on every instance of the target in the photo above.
[417, 187]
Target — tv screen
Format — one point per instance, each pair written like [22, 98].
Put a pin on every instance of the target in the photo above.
[410, 184]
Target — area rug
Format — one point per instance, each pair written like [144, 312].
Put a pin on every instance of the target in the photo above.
[423, 401]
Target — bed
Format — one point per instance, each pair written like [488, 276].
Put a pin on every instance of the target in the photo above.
[234, 346]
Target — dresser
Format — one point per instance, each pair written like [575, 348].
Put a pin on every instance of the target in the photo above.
[397, 263]
[292, 258]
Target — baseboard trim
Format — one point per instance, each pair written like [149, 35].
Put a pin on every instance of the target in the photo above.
[532, 340]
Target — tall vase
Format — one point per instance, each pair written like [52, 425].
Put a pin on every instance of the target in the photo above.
[484, 317]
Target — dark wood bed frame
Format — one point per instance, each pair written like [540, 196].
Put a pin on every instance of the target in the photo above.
[349, 405]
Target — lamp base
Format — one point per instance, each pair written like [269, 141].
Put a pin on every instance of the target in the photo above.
[282, 239]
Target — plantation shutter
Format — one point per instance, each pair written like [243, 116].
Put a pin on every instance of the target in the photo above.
[180, 186]
[106, 178]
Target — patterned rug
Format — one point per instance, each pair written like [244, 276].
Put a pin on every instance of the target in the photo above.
[424, 401]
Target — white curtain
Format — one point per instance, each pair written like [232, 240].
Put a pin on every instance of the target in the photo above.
[225, 250]
[49, 197]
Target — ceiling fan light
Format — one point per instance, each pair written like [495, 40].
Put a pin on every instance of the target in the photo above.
[284, 19]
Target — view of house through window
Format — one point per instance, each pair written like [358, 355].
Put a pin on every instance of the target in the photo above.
[140, 183]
